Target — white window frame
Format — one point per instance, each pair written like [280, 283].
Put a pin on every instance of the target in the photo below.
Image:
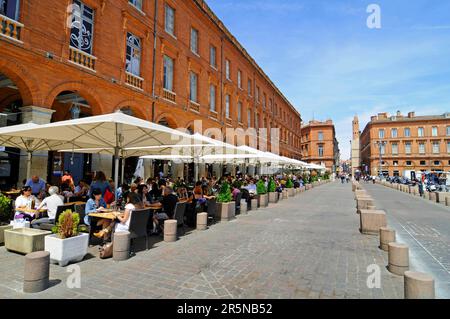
[239, 109]
[394, 133]
[212, 98]
[381, 133]
[227, 106]
[421, 132]
[133, 62]
[194, 41]
[168, 65]
[239, 79]
[394, 147]
[169, 20]
[227, 69]
[408, 148]
[436, 150]
[407, 129]
[422, 148]
[434, 131]
[136, 3]
[193, 87]
[213, 56]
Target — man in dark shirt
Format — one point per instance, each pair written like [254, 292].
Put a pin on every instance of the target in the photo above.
[169, 202]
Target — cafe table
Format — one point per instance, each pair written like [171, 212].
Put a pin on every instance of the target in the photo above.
[32, 212]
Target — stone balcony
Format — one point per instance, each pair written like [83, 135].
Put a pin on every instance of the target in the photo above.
[10, 29]
[82, 59]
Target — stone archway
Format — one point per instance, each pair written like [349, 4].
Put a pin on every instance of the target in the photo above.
[132, 108]
[166, 120]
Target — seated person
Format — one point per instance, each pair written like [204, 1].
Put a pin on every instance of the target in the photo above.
[235, 191]
[251, 187]
[168, 202]
[94, 204]
[82, 189]
[51, 203]
[142, 192]
[25, 201]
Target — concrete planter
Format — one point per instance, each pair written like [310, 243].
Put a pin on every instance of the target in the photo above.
[63, 251]
[2, 232]
[226, 211]
[25, 240]
[273, 197]
[263, 200]
[291, 192]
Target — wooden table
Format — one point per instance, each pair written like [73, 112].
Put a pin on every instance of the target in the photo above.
[32, 212]
[156, 206]
[76, 203]
[109, 215]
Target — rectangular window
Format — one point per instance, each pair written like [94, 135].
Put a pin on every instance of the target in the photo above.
[448, 130]
[394, 149]
[249, 118]
[256, 121]
[212, 98]
[434, 131]
[264, 101]
[383, 149]
[239, 76]
[395, 163]
[408, 163]
[82, 27]
[193, 81]
[239, 112]
[407, 132]
[320, 136]
[421, 148]
[436, 148]
[448, 147]
[227, 69]
[320, 150]
[213, 56]
[136, 3]
[249, 89]
[257, 93]
[169, 23]
[421, 132]
[408, 148]
[133, 59]
[168, 73]
[381, 133]
[437, 163]
[423, 163]
[10, 9]
[394, 133]
[227, 106]
[194, 41]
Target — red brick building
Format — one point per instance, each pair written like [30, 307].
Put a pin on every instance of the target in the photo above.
[167, 61]
[319, 144]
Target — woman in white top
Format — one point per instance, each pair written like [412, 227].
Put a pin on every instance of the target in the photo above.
[133, 202]
[51, 203]
[25, 201]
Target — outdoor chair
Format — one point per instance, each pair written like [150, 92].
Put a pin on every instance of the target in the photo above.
[238, 203]
[81, 211]
[212, 208]
[59, 211]
[180, 210]
[138, 225]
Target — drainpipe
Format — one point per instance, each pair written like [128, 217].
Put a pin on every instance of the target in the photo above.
[221, 80]
[155, 33]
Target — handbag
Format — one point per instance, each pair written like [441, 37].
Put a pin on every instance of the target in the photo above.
[108, 197]
[106, 251]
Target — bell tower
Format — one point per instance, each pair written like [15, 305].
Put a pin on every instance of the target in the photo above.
[355, 160]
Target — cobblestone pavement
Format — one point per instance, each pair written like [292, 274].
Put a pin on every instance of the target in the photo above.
[308, 246]
[424, 226]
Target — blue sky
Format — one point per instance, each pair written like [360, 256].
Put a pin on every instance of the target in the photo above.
[329, 64]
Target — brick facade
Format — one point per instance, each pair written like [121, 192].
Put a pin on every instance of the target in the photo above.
[403, 151]
[41, 66]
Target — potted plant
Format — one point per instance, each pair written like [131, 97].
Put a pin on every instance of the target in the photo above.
[226, 208]
[290, 187]
[261, 191]
[5, 213]
[67, 244]
[272, 189]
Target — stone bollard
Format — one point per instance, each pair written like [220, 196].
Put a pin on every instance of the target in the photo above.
[170, 230]
[398, 258]
[371, 221]
[285, 194]
[121, 246]
[202, 220]
[360, 192]
[254, 204]
[387, 236]
[273, 197]
[371, 207]
[37, 272]
[418, 285]
[364, 202]
[432, 196]
[244, 207]
[447, 201]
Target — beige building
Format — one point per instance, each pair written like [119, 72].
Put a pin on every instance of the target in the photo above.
[355, 160]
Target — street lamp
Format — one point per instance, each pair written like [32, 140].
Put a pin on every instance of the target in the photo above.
[381, 144]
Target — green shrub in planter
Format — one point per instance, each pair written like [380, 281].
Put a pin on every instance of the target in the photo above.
[224, 194]
[5, 208]
[272, 187]
[289, 183]
[261, 187]
[67, 225]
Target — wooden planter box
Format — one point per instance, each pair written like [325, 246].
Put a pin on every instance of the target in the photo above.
[291, 192]
[25, 240]
[263, 200]
[2, 232]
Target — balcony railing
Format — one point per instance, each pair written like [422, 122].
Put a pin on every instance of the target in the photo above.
[81, 58]
[229, 121]
[134, 81]
[194, 106]
[10, 29]
[169, 95]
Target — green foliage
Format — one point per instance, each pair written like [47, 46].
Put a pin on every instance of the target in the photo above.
[289, 183]
[67, 225]
[83, 229]
[314, 179]
[326, 175]
[272, 187]
[261, 187]
[237, 184]
[5, 208]
[224, 194]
